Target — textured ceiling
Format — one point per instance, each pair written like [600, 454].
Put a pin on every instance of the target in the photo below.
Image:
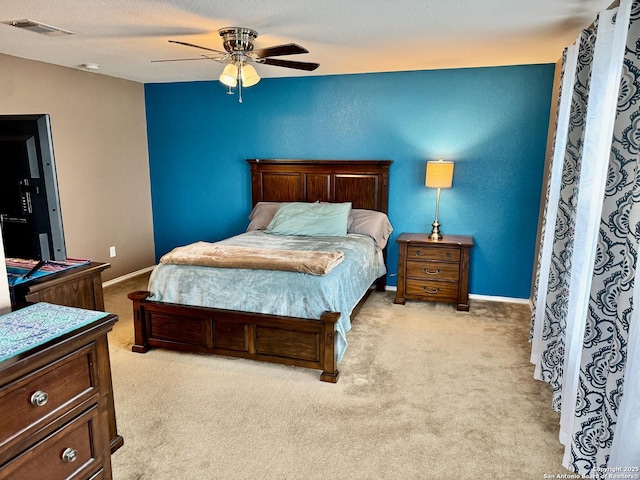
[344, 36]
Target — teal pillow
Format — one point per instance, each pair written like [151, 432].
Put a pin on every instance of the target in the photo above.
[311, 219]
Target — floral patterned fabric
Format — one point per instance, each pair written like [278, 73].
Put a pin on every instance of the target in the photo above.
[604, 351]
[581, 343]
[553, 335]
[553, 188]
[37, 324]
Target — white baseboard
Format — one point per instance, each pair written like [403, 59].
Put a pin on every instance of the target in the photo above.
[492, 298]
[488, 298]
[122, 278]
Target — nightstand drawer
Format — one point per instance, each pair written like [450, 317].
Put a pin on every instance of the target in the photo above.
[434, 291]
[74, 451]
[433, 270]
[442, 254]
[45, 394]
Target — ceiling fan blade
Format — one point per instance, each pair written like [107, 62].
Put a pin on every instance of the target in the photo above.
[289, 64]
[287, 49]
[197, 46]
[182, 59]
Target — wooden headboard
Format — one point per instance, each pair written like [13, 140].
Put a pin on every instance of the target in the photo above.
[364, 183]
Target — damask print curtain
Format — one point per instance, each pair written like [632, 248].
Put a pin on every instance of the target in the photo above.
[624, 448]
[543, 270]
[606, 69]
[584, 293]
[605, 341]
[550, 366]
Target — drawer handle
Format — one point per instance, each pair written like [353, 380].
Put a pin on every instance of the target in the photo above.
[418, 253]
[426, 270]
[428, 290]
[39, 399]
[448, 254]
[69, 455]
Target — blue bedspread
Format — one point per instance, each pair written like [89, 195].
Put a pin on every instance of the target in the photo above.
[276, 292]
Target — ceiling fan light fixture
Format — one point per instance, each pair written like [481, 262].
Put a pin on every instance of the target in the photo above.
[229, 75]
[239, 51]
[249, 76]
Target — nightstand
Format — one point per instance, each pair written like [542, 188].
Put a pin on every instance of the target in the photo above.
[434, 271]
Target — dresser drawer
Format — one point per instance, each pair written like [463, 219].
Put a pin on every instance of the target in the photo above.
[72, 452]
[442, 254]
[433, 270]
[432, 290]
[37, 399]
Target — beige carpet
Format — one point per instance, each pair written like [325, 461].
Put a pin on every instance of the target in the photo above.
[424, 392]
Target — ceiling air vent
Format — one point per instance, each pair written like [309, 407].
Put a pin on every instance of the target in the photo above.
[38, 27]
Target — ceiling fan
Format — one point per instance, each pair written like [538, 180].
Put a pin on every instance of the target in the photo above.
[239, 52]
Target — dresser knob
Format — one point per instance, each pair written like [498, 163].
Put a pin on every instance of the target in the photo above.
[428, 272]
[39, 398]
[431, 291]
[418, 253]
[69, 455]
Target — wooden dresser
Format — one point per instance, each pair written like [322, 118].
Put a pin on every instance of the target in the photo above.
[435, 271]
[56, 401]
[79, 287]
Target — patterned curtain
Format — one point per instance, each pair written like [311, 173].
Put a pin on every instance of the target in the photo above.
[550, 366]
[606, 71]
[558, 147]
[584, 292]
[610, 310]
[624, 448]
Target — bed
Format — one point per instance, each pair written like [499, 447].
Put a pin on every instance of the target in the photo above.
[307, 338]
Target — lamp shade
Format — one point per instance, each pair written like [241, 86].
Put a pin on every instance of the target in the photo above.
[249, 76]
[439, 174]
[229, 75]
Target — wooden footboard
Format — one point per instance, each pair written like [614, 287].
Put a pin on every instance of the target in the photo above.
[269, 338]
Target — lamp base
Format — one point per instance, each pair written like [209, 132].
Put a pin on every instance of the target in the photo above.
[435, 231]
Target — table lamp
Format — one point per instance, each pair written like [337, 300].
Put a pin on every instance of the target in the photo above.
[439, 175]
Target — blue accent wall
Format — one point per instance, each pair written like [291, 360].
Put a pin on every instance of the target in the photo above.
[492, 122]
